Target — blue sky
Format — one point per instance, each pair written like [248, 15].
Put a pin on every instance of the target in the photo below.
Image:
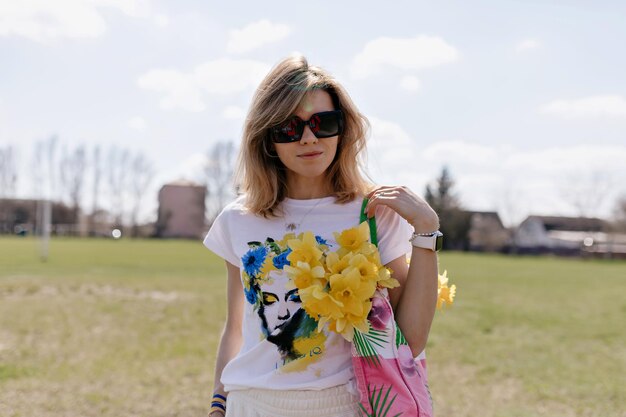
[524, 101]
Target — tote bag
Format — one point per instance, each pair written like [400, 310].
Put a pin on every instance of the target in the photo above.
[390, 381]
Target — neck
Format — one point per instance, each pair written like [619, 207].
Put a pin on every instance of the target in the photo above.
[303, 188]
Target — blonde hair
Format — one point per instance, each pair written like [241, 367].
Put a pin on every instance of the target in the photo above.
[260, 174]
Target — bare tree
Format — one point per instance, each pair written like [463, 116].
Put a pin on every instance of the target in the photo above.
[52, 167]
[96, 167]
[511, 205]
[44, 168]
[141, 175]
[586, 192]
[63, 184]
[36, 171]
[75, 165]
[619, 215]
[8, 171]
[218, 172]
[117, 166]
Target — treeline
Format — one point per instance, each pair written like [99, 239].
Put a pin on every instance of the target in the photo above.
[90, 180]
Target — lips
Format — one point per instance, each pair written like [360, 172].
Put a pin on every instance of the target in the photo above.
[309, 154]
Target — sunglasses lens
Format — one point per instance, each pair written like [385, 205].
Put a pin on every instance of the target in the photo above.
[290, 131]
[325, 125]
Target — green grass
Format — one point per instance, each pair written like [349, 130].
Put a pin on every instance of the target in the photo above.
[130, 328]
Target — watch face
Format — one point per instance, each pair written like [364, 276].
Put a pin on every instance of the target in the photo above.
[439, 242]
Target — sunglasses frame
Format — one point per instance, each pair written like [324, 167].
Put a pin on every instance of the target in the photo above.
[278, 135]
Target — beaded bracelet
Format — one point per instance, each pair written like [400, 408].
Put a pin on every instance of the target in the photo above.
[218, 403]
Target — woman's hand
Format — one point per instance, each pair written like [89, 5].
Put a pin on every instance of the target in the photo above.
[413, 208]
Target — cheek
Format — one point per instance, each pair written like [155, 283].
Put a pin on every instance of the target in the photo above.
[283, 154]
[333, 147]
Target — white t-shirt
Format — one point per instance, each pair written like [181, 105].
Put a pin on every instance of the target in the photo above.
[281, 346]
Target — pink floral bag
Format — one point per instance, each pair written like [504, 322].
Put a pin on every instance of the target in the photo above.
[390, 381]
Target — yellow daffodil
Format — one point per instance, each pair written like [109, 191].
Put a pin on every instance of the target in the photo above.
[349, 290]
[283, 243]
[354, 295]
[304, 249]
[355, 239]
[318, 303]
[346, 325]
[372, 255]
[385, 280]
[335, 264]
[445, 293]
[304, 276]
[366, 269]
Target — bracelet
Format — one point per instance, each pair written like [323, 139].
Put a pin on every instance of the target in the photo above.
[218, 403]
[425, 234]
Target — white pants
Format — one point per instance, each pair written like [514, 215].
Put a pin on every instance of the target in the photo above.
[331, 402]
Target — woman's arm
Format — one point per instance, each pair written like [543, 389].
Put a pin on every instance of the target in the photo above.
[414, 302]
[231, 338]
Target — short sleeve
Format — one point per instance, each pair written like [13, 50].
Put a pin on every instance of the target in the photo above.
[218, 239]
[393, 234]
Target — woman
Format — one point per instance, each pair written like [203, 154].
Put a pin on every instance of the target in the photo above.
[299, 171]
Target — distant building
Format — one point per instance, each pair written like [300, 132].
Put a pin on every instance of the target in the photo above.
[487, 233]
[181, 210]
[568, 236]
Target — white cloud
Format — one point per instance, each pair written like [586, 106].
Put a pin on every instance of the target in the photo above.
[588, 107]
[132, 8]
[137, 123]
[225, 76]
[161, 20]
[410, 83]
[406, 54]
[185, 90]
[527, 44]
[255, 35]
[234, 113]
[192, 168]
[516, 182]
[460, 152]
[573, 160]
[180, 91]
[47, 21]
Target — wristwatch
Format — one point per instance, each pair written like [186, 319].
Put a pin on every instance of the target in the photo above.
[432, 240]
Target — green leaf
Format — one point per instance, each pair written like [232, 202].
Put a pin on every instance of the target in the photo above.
[380, 405]
[365, 348]
[274, 247]
[400, 339]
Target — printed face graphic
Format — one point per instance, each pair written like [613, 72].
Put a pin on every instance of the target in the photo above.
[280, 302]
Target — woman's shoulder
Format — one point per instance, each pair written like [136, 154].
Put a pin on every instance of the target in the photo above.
[236, 207]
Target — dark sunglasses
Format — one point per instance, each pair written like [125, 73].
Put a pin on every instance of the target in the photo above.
[323, 125]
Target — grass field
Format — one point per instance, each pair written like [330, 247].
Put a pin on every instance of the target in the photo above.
[130, 328]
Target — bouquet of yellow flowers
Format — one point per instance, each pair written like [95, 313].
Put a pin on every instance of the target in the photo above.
[336, 287]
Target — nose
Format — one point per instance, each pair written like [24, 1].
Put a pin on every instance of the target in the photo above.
[307, 136]
[283, 312]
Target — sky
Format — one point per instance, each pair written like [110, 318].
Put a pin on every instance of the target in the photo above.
[523, 101]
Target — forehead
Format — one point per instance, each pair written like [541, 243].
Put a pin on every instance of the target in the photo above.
[314, 102]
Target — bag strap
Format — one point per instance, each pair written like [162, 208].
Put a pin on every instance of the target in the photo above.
[371, 221]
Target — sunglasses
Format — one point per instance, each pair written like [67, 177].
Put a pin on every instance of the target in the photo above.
[323, 125]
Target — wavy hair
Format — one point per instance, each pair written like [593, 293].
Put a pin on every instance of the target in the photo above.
[260, 174]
